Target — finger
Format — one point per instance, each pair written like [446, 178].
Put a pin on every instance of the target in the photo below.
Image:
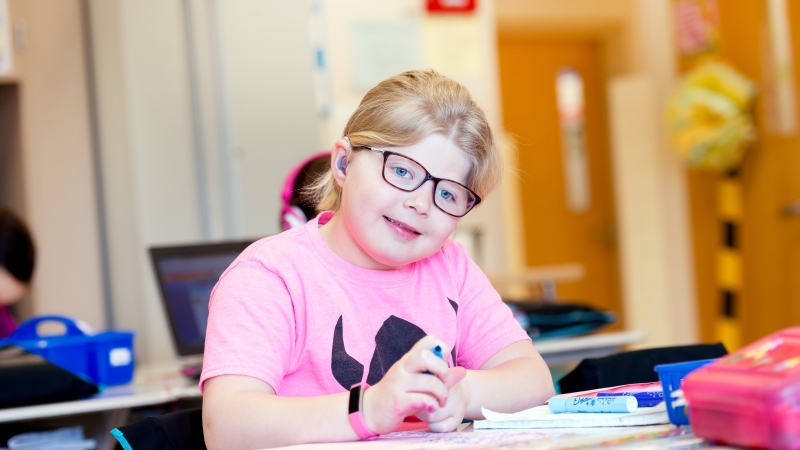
[420, 361]
[437, 415]
[446, 425]
[430, 342]
[412, 402]
[453, 376]
[427, 384]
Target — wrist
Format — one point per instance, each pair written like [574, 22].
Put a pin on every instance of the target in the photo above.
[466, 391]
[356, 412]
[369, 411]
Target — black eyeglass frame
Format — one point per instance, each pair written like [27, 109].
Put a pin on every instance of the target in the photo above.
[428, 177]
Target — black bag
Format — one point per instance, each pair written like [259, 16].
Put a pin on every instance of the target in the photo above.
[633, 367]
[182, 430]
[28, 379]
[546, 320]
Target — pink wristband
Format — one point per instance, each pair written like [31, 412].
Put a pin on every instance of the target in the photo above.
[355, 412]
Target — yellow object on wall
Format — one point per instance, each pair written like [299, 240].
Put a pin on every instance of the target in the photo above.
[708, 117]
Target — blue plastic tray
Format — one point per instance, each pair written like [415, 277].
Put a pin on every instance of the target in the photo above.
[106, 358]
[671, 376]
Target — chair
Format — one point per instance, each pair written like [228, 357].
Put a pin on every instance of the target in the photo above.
[182, 430]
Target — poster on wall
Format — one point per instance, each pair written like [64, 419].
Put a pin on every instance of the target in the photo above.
[571, 114]
[6, 44]
[697, 29]
[452, 44]
[383, 49]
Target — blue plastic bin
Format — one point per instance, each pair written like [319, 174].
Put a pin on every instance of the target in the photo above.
[671, 376]
[106, 358]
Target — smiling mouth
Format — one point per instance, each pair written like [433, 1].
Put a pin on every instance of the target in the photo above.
[402, 225]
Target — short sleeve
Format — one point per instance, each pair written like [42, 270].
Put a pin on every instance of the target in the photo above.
[251, 325]
[486, 324]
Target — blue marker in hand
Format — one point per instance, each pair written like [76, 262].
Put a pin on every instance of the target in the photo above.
[438, 352]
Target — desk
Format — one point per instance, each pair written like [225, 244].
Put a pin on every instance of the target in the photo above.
[654, 436]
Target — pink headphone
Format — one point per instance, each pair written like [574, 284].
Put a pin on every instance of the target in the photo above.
[291, 215]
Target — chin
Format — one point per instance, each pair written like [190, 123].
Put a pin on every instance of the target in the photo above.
[399, 260]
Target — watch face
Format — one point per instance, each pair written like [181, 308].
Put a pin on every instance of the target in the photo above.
[355, 399]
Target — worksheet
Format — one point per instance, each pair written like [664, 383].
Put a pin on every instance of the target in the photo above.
[555, 439]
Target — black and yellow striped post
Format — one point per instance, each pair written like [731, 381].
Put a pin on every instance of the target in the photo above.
[729, 260]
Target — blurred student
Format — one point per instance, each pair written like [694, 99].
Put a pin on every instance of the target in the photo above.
[17, 256]
[340, 329]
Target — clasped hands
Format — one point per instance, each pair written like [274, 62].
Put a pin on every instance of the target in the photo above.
[440, 398]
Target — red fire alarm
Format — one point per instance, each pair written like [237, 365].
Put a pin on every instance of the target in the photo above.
[451, 6]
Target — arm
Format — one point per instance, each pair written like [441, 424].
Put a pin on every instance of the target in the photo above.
[244, 412]
[513, 379]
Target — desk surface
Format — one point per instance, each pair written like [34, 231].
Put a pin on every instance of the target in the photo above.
[656, 436]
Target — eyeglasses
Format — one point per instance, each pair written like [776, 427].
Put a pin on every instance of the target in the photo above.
[408, 175]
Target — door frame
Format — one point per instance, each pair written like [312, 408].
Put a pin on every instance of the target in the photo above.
[654, 237]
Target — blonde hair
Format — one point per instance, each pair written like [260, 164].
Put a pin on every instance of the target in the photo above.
[404, 110]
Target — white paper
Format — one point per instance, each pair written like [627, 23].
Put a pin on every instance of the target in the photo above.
[541, 417]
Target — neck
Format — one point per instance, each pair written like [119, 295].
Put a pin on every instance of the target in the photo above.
[339, 239]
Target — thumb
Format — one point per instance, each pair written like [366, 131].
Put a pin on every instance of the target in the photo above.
[453, 376]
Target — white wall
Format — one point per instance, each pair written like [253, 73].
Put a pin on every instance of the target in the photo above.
[263, 121]
[59, 193]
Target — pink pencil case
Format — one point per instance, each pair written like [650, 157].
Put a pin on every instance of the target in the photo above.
[750, 397]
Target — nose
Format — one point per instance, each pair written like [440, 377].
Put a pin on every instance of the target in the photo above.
[420, 199]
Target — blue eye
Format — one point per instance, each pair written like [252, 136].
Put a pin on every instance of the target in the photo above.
[399, 171]
[446, 195]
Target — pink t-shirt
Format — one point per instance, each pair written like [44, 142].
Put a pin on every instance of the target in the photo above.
[291, 313]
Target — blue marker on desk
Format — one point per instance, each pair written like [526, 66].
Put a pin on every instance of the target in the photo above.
[645, 399]
[438, 352]
[593, 404]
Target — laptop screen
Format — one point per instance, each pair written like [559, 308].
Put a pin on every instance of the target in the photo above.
[186, 275]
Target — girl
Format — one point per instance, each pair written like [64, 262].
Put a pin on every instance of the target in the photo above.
[331, 331]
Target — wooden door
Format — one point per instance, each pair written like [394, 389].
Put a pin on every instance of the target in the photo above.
[555, 231]
[770, 179]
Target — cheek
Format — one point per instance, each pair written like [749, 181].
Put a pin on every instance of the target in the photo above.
[443, 227]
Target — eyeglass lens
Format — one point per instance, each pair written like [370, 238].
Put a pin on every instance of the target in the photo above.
[407, 175]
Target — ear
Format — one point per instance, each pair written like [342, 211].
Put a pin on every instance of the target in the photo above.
[341, 149]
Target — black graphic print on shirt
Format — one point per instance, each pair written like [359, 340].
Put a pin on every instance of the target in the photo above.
[346, 369]
[454, 354]
[393, 340]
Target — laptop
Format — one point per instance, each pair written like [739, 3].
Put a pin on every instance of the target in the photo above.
[186, 274]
